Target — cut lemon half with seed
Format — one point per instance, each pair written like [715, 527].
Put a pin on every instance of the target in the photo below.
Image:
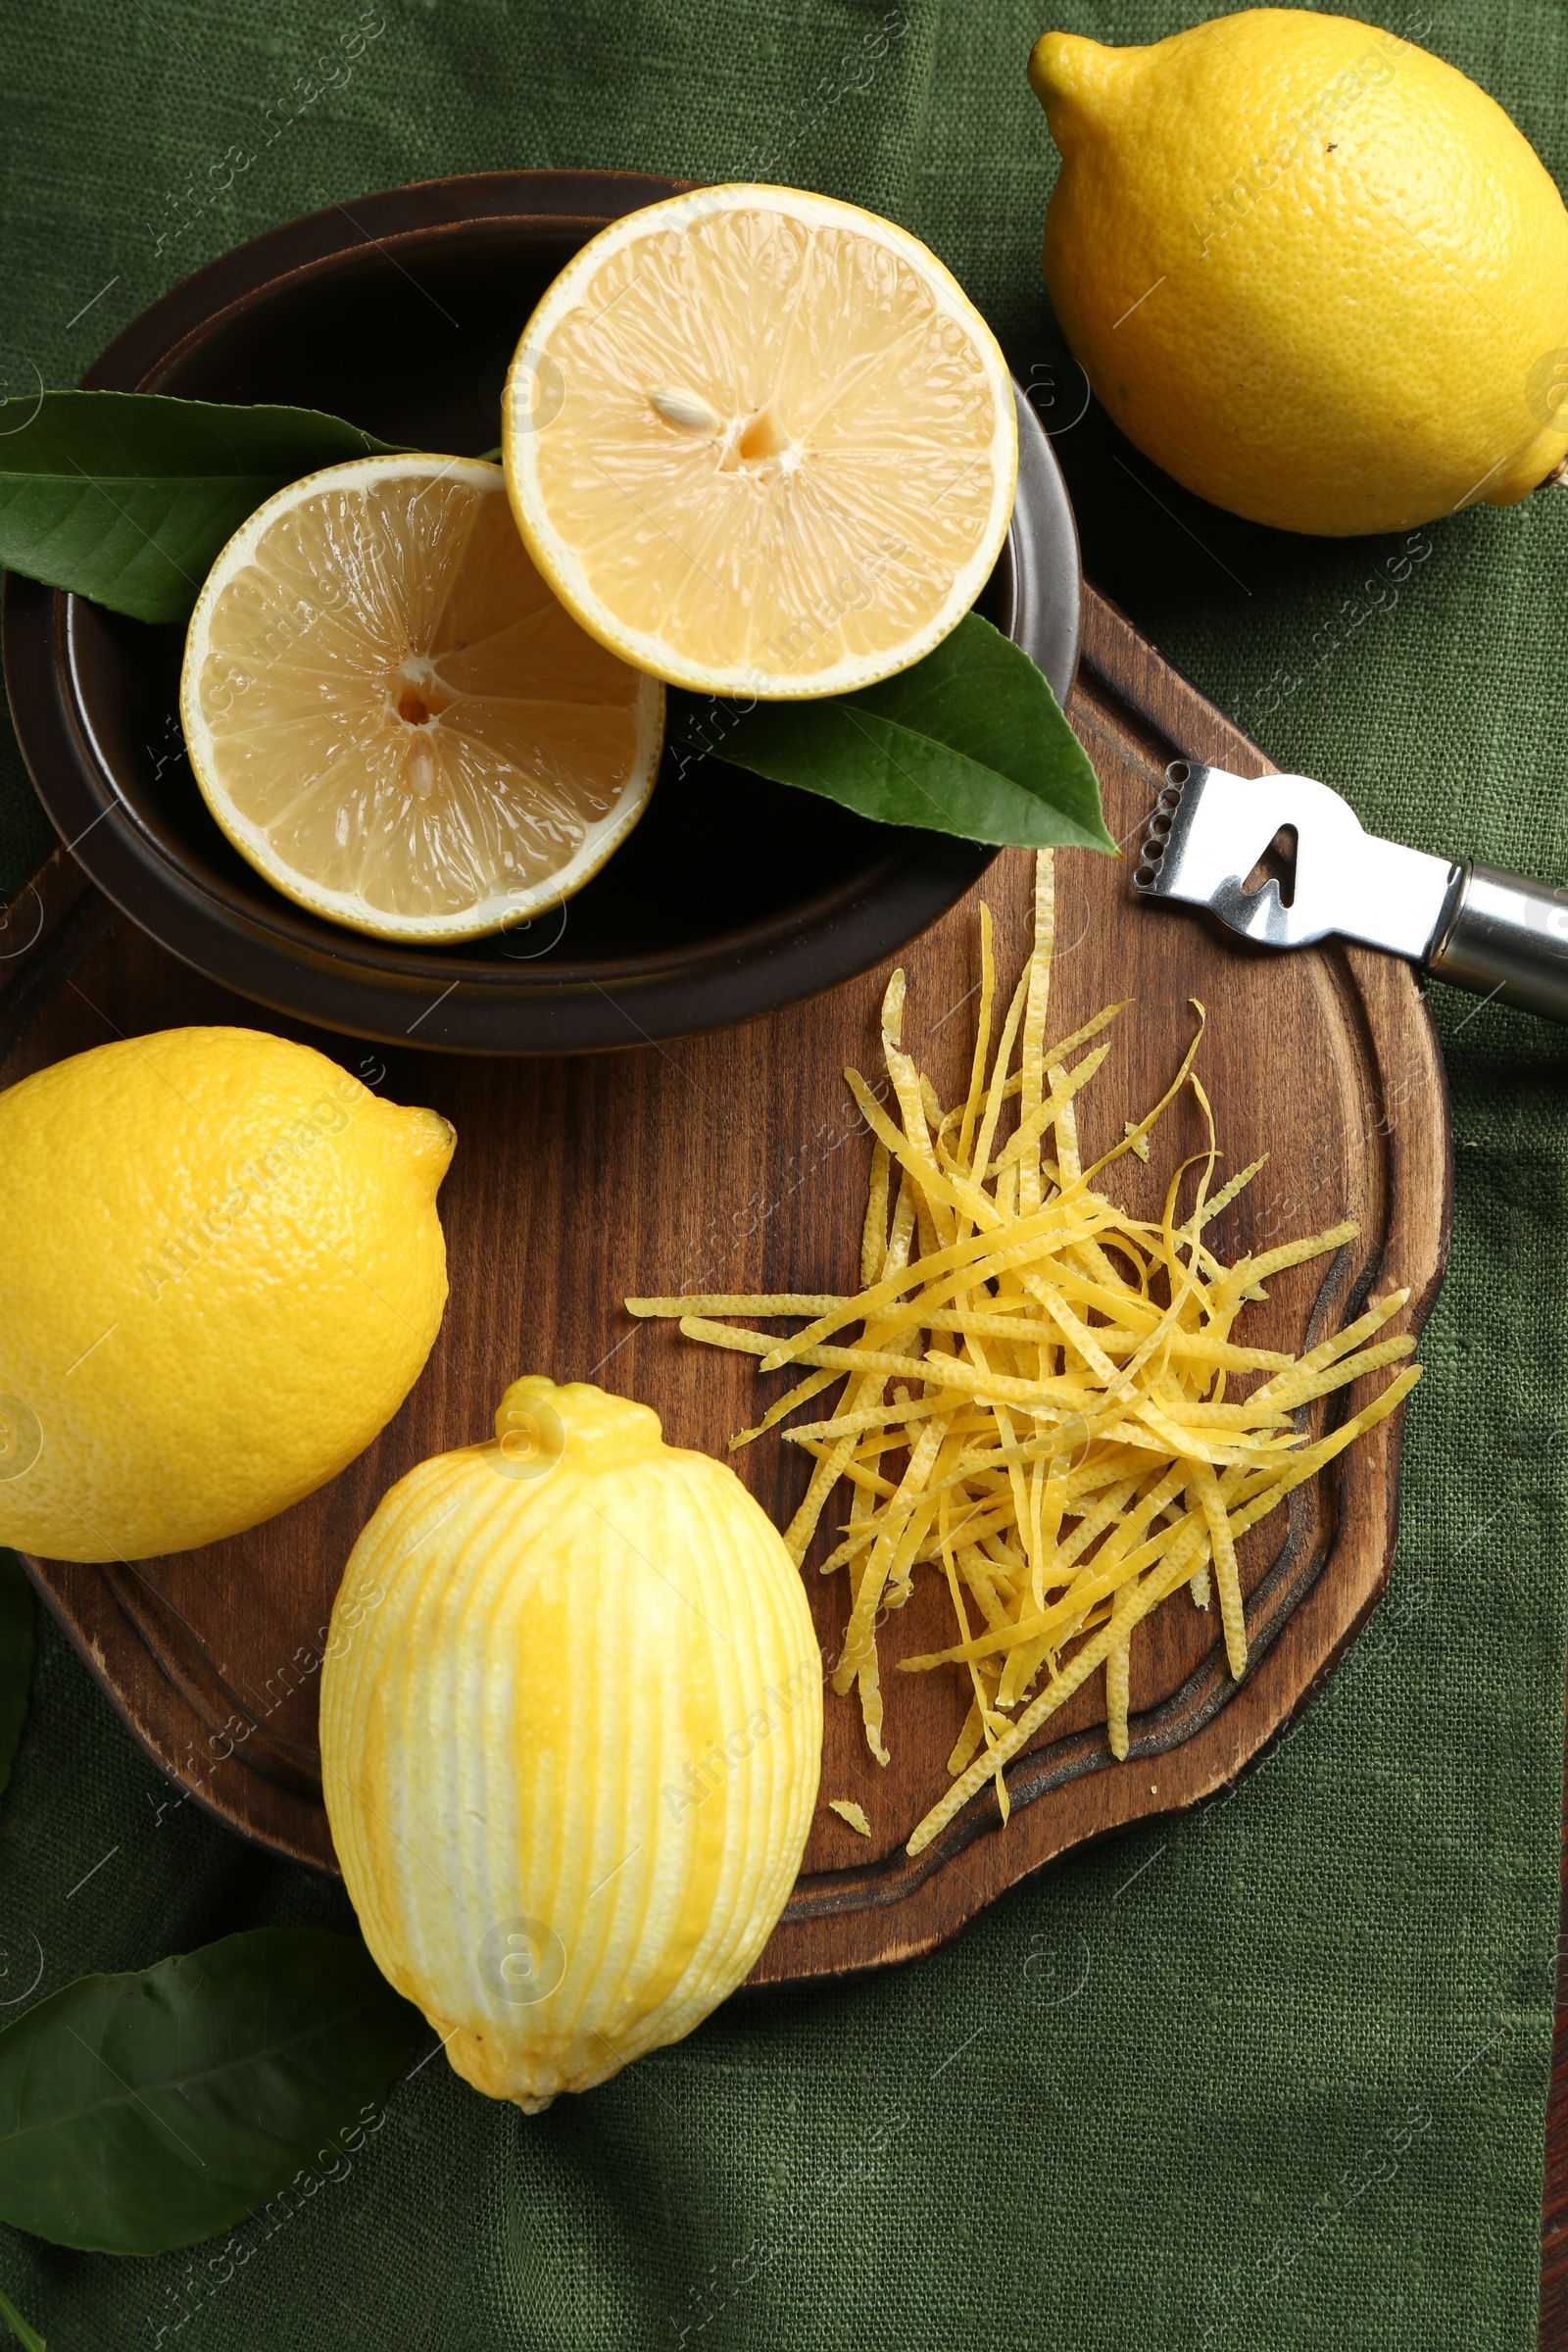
[390, 715]
[761, 442]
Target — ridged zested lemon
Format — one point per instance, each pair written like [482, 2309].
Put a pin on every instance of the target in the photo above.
[393, 719]
[571, 1727]
[761, 442]
[220, 1273]
[1311, 271]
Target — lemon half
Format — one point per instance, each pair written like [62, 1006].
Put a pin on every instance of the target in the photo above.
[761, 442]
[391, 716]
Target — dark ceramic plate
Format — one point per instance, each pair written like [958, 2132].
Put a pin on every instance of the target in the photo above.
[732, 898]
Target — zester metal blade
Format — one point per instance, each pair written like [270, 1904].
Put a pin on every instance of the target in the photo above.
[1210, 829]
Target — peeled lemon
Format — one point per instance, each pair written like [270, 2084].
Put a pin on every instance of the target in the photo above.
[571, 1727]
[220, 1273]
[761, 442]
[1311, 271]
[393, 719]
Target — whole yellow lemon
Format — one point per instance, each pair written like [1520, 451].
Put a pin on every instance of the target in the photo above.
[572, 1727]
[220, 1273]
[1314, 273]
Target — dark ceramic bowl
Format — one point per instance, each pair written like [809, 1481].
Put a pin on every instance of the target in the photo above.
[733, 896]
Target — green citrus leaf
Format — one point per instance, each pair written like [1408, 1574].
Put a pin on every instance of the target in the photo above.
[126, 497]
[970, 741]
[16, 1657]
[146, 2111]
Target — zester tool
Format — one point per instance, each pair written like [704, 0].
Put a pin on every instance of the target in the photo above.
[1494, 933]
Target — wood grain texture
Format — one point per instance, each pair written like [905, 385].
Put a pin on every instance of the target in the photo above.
[735, 1162]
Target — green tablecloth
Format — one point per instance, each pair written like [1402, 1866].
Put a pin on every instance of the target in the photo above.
[1273, 2075]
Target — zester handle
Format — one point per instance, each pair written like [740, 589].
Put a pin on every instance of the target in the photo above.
[1508, 938]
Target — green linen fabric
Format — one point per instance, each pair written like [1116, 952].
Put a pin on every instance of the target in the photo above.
[1272, 2075]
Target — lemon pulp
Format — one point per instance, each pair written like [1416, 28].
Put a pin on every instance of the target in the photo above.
[761, 442]
[393, 718]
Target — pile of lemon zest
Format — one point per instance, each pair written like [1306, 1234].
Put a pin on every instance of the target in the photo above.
[1069, 1454]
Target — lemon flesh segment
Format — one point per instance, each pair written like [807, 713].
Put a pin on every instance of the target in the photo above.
[393, 718]
[1314, 273]
[761, 442]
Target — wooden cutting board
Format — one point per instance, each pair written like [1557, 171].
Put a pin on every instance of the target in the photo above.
[734, 1161]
